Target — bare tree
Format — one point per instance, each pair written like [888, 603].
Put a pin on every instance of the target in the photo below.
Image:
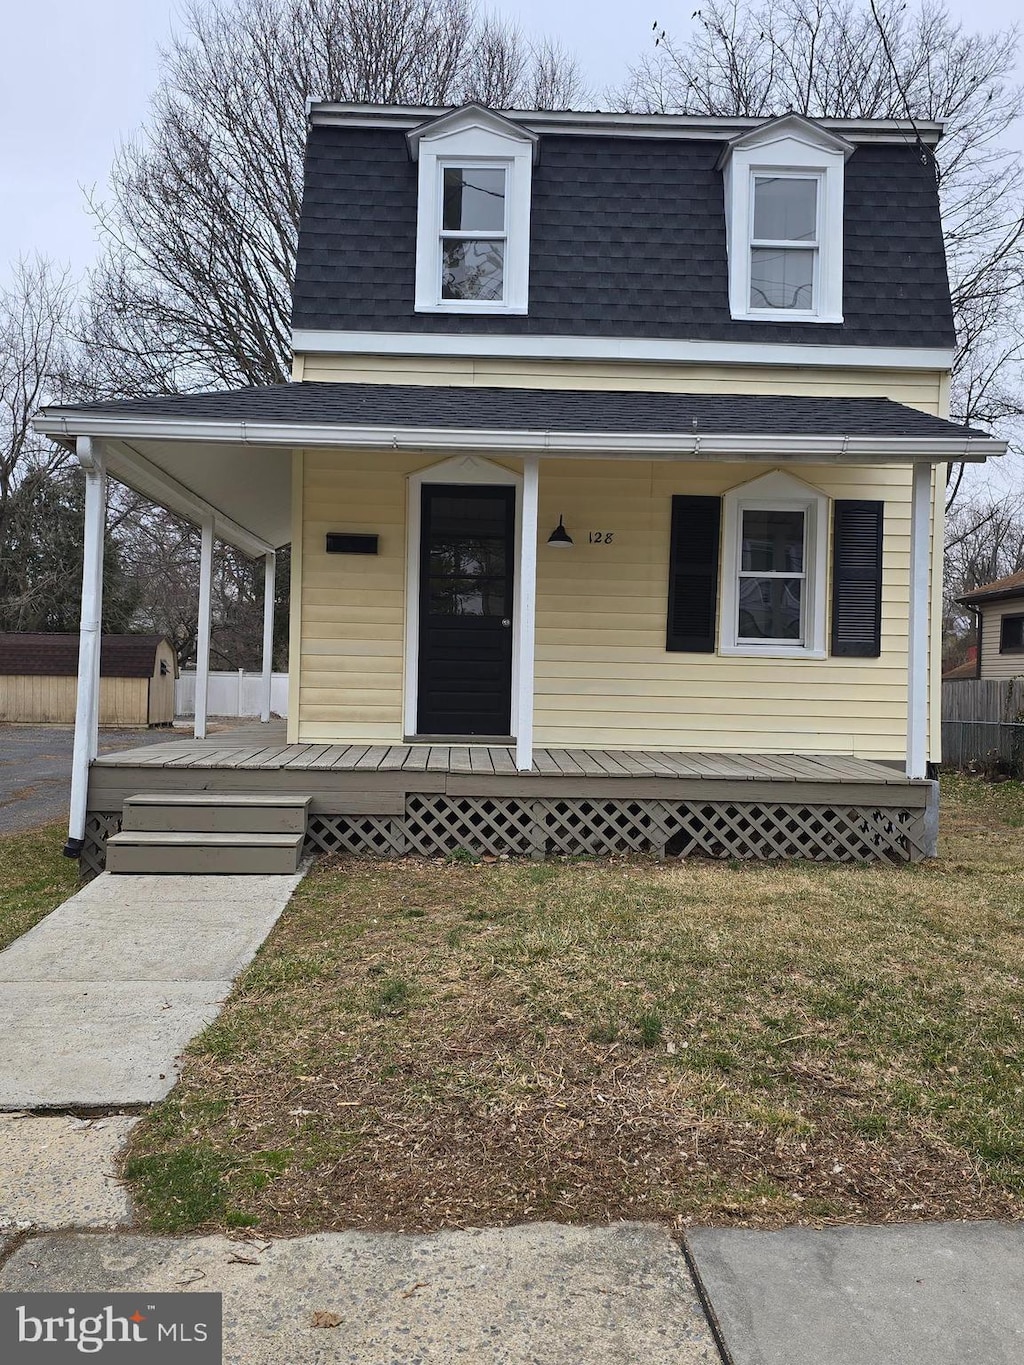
[201, 221]
[852, 58]
[35, 313]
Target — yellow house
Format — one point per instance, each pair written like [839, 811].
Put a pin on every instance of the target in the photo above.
[612, 469]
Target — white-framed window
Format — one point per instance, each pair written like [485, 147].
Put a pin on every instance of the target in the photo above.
[784, 186]
[473, 213]
[784, 242]
[473, 232]
[774, 569]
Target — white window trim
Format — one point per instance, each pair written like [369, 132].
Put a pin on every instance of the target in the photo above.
[777, 491]
[474, 145]
[464, 469]
[798, 154]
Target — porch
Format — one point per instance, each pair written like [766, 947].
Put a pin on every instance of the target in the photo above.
[437, 799]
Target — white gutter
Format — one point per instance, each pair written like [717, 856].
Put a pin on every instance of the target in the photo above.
[582, 444]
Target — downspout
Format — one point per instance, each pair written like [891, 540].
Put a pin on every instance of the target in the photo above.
[90, 630]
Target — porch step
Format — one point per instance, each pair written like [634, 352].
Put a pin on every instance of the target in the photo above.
[216, 813]
[189, 851]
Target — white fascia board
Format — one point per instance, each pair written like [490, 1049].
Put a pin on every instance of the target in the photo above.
[309, 341]
[584, 444]
[690, 126]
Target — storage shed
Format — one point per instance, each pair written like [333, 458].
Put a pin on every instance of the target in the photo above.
[39, 676]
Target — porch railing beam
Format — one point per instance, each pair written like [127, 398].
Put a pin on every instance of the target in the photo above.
[267, 682]
[87, 700]
[526, 616]
[203, 629]
[918, 629]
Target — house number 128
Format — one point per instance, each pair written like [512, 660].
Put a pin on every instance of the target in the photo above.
[600, 537]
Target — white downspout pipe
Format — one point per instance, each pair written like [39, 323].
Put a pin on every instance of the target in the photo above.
[526, 616]
[918, 628]
[269, 575]
[87, 699]
[203, 628]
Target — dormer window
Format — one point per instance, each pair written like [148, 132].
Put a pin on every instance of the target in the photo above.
[473, 213]
[473, 233]
[784, 243]
[784, 222]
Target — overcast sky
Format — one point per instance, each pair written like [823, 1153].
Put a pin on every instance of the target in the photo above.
[77, 76]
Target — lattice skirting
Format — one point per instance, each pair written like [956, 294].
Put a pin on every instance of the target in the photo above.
[99, 826]
[435, 825]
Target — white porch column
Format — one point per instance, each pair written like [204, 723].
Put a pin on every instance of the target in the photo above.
[87, 700]
[526, 616]
[269, 575]
[203, 630]
[918, 629]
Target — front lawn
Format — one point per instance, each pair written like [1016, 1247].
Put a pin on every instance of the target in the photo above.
[35, 877]
[426, 1045]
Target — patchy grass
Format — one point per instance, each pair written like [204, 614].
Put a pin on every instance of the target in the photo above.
[35, 877]
[425, 1045]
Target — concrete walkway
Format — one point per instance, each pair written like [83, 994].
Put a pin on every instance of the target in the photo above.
[99, 999]
[535, 1295]
[920, 1294]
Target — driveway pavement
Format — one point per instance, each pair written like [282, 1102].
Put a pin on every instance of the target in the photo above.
[35, 769]
[99, 999]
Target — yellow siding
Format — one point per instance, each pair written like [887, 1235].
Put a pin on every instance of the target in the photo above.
[603, 676]
[353, 606]
[51, 701]
[922, 389]
[614, 685]
[994, 664]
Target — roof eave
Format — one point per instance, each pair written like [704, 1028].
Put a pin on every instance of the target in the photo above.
[64, 423]
[982, 599]
[405, 118]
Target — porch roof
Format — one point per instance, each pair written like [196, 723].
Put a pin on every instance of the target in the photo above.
[330, 413]
[160, 445]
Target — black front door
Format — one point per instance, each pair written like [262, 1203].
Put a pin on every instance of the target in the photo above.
[466, 569]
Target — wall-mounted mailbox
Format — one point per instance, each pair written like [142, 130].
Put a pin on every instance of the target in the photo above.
[339, 543]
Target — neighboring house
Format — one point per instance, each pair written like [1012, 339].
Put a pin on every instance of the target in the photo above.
[613, 479]
[999, 610]
[39, 678]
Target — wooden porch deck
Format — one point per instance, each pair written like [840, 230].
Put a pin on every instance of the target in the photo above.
[397, 799]
[263, 749]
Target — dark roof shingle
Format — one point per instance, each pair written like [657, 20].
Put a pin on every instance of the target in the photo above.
[627, 240]
[56, 655]
[466, 407]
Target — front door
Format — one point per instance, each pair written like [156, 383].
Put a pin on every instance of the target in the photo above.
[466, 571]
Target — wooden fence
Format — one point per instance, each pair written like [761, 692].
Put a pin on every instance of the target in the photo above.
[983, 724]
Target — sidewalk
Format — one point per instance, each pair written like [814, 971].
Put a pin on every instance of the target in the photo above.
[101, 997]
[535, 1295]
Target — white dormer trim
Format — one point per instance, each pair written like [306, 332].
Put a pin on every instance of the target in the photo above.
[796, 146]
[777, 491]
[473, 137]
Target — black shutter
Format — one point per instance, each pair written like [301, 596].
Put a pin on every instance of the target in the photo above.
[693, 574]
[857, 578]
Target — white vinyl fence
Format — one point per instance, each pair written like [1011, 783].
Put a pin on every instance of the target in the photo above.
[232, 694]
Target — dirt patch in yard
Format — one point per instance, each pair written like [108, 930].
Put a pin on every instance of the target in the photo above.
[427, 1045]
